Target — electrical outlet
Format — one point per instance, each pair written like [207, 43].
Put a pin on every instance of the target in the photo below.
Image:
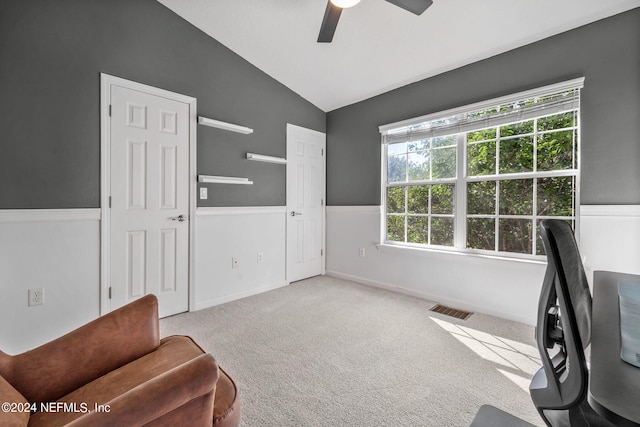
[362, 253]
[36, 296]
[203, 193]
[260, 257]
[235, 262]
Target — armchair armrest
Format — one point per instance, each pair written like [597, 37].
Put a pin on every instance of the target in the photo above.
[151, 400]
[11, 416]
[54, 369]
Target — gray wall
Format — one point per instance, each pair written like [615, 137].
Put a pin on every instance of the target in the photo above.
[606, 53]
[51, 57]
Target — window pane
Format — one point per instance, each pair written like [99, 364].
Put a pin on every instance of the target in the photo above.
[395, 228]
[481, 135]
[481, 197]
[555, 150]
[419, 168]
[516, 197]
[397, 168]
[397, 148]
[444, 163]
[515, 236]
[516, 155]
[443, 141]
[442, 199]
[559, 121]
[395, 199]
[418, 145]
[481, 158]
[481, 233]
[516, 129]
[555, 196]
[442, 231]
[418, 229]
[418, 199]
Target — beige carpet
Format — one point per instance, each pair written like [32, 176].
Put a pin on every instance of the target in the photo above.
[327, 352]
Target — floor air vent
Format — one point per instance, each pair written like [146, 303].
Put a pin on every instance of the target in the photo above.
[453, 312]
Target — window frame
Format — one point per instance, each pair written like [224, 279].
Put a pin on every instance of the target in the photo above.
[461, 180]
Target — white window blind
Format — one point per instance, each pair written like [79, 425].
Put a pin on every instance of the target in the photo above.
[548, 100]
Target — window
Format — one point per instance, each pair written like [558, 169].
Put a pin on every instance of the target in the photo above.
[480, 178]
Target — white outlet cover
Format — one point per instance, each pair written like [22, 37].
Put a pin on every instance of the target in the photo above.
[36, 296]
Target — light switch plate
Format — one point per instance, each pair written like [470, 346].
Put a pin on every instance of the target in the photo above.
[203, 193]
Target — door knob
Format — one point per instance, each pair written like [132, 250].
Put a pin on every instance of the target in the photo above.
[180, 218]
[294, 213]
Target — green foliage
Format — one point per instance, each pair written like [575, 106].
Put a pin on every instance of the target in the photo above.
[515, 235]
[395, 228]
[516, 197]
[481, 233]
[516, 155]
[395, 199]
[442, 199]
[555, 196]
[418, 202]
[481, 158]
[555, 150]
[442, 231]
[481, 198]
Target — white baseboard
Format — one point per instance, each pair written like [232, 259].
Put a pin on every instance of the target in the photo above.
[228, 298]
[454, 303]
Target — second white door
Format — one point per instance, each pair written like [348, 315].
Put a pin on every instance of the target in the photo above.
[305, 202]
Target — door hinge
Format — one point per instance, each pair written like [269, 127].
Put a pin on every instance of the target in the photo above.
[321, 202]
[321, 252]
[109, 201]
[322, 151]
[109, 110]
[109, 292]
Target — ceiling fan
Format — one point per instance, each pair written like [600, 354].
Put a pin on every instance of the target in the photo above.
[334, 9]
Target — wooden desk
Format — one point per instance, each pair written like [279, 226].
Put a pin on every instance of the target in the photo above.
[614, 385]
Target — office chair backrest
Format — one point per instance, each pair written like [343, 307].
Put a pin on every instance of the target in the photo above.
[566, 258]
[564, 383]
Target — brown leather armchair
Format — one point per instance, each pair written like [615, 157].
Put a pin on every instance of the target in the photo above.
[116, 371]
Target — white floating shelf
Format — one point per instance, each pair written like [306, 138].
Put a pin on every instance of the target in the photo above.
[224, 125]
[211, 179]
[268, 159]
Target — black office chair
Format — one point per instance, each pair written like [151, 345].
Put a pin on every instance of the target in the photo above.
[559, 388]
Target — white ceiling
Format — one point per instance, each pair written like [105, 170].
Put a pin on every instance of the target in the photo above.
[378, 46]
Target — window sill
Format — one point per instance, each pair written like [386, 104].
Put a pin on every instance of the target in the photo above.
[527, 259]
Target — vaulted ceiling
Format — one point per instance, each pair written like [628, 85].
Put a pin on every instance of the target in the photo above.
[378, 46]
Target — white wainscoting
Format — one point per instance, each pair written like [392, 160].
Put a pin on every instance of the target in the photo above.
[501, 287]
[54, 249]
[243, 233]
[610, 238]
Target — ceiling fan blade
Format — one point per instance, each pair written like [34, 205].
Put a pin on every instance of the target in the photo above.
[413, 6]
[329, 23]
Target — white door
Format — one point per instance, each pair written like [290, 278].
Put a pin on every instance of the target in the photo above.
[149, 183]
[305, 202]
